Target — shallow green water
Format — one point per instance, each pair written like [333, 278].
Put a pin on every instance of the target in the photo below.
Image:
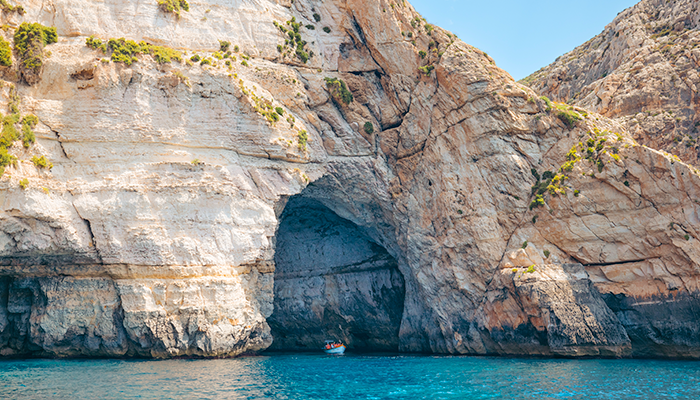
[350, 377]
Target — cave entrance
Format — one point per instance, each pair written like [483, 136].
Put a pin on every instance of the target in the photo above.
[332, 281]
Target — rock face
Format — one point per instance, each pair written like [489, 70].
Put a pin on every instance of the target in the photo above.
[397, 191]
[641, 70]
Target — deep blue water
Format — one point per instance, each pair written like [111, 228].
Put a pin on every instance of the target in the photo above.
[350, 377]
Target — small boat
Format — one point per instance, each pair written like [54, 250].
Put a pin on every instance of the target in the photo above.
[333, 347]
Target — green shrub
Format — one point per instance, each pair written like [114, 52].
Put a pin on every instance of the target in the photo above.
[6, 159]
[422, 54]
[546, 253]
[162, 55]
[369, 128]
[123, 50]
[303, 139]
[174, 6]
[272, 116]
[339, 90]
[42, 162]
[327, 29]
[547, 102]
[303, 56]
[687, 237]
[534, 219]
[9, 132]
[537, 202]
[7, 7]
[569, 118]
[530, 269]
[96, 43]
[568, 166]
[195, 58]
[24, 183]
[525, 243]
[224, 45]
[5, 53]
[196, 162]
[317, 17]
[279, 110]
[427, 70]
[28, 123]
[30, 40]
[310, 27]
[540, 187]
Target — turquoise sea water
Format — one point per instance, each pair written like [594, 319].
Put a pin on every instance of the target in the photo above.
[350, 377]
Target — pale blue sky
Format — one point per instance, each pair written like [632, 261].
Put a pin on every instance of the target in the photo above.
[522, 36]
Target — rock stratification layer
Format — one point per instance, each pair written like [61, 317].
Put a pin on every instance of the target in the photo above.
[327, 168]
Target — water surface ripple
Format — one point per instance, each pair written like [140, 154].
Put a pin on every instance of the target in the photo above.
[295, 376]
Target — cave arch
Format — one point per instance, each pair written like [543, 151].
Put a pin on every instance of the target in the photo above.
[333, 280]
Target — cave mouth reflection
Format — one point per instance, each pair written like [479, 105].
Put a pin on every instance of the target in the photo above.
[332, 281]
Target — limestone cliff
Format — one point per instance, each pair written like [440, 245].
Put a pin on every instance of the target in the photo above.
[337, 168]
[641, 70]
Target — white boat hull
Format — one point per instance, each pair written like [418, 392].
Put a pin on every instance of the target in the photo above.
[337, 350]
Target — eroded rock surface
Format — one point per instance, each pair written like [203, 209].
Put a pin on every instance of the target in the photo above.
[641, 70]
[171, 221]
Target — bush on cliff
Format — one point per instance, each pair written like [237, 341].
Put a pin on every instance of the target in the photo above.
[303, 138]
[30, 40]
[42, 162]
[339, 90]
[173, 6]
[7, 7]
[125, 51]
[5, 53]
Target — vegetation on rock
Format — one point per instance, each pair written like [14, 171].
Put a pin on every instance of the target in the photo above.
[125, 51]
[174, 6]
[42, 162]
[28, 123]
[303, 138]
[10, 134]
[5, 53]
[567, 115]
[294, 42]
[30, 40]
[427, 69]
[339, 90]
[7, 7]
[96, 44]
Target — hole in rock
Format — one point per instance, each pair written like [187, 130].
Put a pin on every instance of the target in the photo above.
[332, 282]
